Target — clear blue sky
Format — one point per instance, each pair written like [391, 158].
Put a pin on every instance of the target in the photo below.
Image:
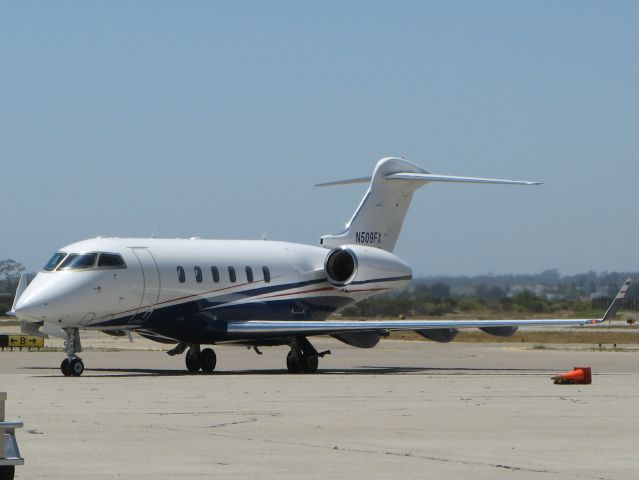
[215, 119]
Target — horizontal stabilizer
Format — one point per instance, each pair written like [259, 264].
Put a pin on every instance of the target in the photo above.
[380, 214]
[429, 177]
[345, 182]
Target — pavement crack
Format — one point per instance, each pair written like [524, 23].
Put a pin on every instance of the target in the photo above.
[404, 454]
[239, 422]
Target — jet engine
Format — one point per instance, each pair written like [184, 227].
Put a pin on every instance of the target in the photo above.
[350, 265]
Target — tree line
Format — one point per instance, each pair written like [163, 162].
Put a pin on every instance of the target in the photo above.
[437, 298]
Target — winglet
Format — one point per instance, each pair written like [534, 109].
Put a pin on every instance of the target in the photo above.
[616, 303]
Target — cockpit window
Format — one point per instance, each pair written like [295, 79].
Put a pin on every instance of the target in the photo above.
[54, 261]
[111, 260]
[78, 261]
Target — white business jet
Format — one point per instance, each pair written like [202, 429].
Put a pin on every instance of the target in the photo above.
[193, 292]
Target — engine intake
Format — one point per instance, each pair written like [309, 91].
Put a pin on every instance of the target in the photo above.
[356, 266]
[341, 266]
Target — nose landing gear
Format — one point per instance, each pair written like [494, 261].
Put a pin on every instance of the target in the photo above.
[72, 366]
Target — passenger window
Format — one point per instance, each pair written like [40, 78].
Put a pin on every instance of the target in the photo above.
[198, 274]
[181, 275]
[111, 260]
[232, 275]
[54, 261]
[77, 261]
[267, 274]
[249, 274]
[216, 274]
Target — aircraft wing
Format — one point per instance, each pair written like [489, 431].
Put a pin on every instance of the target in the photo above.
[332, 327]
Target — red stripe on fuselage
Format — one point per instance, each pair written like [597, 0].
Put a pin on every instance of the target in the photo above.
[325, 289]
[370, 290]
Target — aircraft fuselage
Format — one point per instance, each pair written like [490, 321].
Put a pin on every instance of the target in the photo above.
[187, 290]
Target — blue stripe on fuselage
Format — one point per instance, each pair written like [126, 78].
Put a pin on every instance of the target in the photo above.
[202, 320]
[199, 304]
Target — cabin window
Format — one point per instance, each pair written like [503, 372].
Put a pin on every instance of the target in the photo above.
[54, 261]
[79, 261]
[111, 260]
[198, 274]
[181, 275]
[267, 274]
[232, 276]
[249, 274]
[216, 274]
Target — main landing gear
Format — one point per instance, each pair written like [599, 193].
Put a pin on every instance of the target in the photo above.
[72, 366]
[303, 358]
[7, 472]
[195, 358]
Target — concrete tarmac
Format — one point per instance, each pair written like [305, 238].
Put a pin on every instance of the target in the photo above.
[402, 410]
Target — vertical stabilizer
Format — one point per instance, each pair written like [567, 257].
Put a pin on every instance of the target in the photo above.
[380, 215]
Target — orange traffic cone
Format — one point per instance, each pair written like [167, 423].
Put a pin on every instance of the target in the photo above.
[579, 376]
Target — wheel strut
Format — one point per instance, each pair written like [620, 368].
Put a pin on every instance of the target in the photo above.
[303, 357]
[72, 366]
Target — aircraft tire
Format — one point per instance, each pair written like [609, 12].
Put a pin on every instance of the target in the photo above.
[208, 359]
[7, 472]
[192, 362]
[76, 367]
[310, 363]
[64, 367]
[293, 362]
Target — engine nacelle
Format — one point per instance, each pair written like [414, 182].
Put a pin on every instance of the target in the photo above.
[351, 265]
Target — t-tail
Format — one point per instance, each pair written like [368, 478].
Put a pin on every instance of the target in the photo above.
[380, 215]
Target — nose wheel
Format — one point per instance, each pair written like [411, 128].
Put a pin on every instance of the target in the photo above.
[72, 366]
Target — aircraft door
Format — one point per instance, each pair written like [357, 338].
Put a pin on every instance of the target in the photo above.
[151, 281]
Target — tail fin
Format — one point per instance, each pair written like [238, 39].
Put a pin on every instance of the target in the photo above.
[380, 215]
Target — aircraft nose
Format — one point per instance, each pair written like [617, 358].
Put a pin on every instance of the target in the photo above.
[31, 310]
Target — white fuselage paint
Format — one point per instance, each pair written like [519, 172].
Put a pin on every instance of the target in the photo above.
[94, 297]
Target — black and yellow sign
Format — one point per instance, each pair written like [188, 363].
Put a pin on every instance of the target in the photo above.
[21, 341]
